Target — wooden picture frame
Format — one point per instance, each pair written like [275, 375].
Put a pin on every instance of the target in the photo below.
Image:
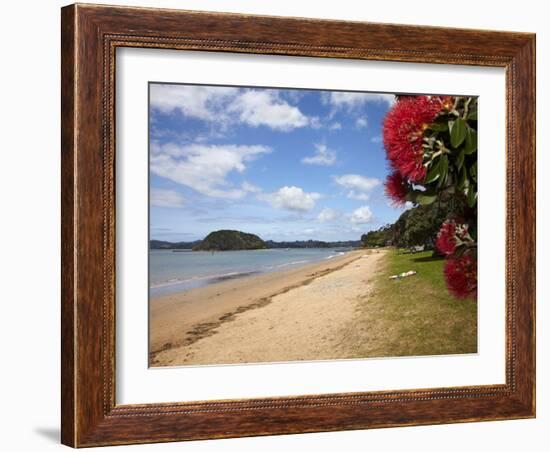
[90, 36]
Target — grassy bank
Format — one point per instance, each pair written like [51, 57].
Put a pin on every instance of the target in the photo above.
[414, 315]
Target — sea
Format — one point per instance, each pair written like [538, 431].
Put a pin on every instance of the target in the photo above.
[180, 270]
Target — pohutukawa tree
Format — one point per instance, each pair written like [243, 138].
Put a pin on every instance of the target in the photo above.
[431, 144]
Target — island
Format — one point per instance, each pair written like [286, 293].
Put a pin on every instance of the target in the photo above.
[228, 240]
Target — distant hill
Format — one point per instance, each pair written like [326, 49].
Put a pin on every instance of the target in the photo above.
[163, 245]
[226, 240]
[314, 244]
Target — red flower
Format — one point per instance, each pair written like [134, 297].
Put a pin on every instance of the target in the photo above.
[396, 188]
[461, 276]
[404, 128]
[448, 234]
[446, 240]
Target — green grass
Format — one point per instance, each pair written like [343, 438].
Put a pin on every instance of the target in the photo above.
[414, 315]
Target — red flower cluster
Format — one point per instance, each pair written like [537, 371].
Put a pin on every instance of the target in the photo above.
[396, 188]
[446, 240]
[404, 128]
[461, 276]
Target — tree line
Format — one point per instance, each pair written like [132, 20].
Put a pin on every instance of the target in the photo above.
[417, 226]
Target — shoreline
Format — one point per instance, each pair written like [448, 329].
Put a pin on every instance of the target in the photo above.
[181, 322]
[164, 288]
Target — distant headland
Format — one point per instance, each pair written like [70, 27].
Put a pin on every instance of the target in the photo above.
[229, 240]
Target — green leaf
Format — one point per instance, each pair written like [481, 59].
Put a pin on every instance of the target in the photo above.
[411, 196]
[459, 250]
[473, 115]
[471, 196]
[473, 172]
[439, 126]
[450, 190]
[471, 141]
[433, 173]
[425, 198]
[443, 169]
[460, 159]
[458, 132]
[462, 178]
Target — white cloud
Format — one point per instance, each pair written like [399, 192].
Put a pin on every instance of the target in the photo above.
[323, 156]
[294, 95]
[339, 99]
[359, 186]
[201, 102]
[315, 122]
[226, 105]
[335, 126]
[256, 108]
[204, 168]
[250, 188]
[327, 214]
[292, 198]
[376, 139]
[361, 196]
[361, 123]
[361, 215]
[160, 197]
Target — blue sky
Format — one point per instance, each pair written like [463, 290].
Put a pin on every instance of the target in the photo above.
[285, 164]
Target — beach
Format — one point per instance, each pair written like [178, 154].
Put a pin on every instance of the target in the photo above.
[303, 313]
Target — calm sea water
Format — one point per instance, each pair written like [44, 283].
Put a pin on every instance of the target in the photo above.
[171, 272]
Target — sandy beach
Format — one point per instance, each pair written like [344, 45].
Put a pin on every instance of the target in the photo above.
[304, 313]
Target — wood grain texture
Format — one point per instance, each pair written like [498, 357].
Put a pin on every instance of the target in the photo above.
[67, 226]
[90, 36]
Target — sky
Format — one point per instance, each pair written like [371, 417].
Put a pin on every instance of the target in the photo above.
[285, 164]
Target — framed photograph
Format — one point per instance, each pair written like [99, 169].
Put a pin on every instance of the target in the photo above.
[282, 225]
